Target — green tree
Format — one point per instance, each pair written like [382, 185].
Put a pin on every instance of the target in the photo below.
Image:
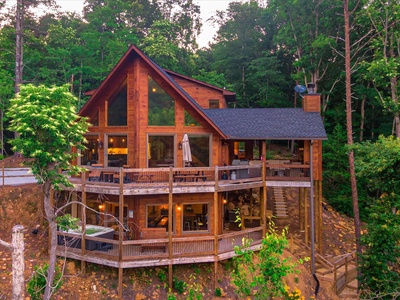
[242, 37]
[306, 28]
[379, 164]
[261, 274]
[49, 127]
[384, 69]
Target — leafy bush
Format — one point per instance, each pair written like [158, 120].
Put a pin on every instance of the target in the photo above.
[37, 283]
[179, 285]
[66, 222]
[261, 274]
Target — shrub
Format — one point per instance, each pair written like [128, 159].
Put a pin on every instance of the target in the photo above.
[261, 274]
[37, 283]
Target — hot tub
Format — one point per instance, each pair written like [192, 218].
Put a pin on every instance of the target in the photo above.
[92, 231]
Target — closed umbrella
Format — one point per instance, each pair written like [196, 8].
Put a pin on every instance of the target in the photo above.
[187, 154]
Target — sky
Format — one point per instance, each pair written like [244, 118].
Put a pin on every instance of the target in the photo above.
[207, 8]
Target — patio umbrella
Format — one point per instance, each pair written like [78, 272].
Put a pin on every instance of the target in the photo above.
[187, 154]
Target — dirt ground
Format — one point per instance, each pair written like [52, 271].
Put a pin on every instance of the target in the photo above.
[21, 205]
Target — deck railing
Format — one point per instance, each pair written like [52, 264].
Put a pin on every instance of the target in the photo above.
[107, 251]
[196, 175]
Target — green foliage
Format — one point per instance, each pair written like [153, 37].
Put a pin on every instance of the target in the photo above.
[179, 285]
[162, 276]
[66, 222]
[171, 296]
[379, 164]
[218, 292]
[379, 262]
[261, 274]
[194, 289]
[337, 188]
[37, 283]
[49, 128]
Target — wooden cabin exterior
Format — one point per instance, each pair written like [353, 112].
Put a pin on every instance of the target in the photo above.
[164, 207]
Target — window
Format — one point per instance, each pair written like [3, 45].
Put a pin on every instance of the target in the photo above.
[190, 121]
[212, 104]
[117, 151]
[91, 155]
[157, 216]
[160, 152]
[117, 108]
[161, 106]
[200, 150]
[195, 217]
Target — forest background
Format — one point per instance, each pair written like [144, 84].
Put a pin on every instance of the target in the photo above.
[262, 49]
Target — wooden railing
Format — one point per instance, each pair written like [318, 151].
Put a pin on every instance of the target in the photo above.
[108, 250]
[9, 174]
[194, 175]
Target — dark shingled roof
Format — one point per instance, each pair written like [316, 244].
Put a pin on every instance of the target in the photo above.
[268, 123]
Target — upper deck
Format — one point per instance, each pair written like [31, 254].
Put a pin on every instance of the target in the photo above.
[190, 180]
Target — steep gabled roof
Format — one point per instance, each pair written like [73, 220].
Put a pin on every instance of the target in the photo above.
[132, 51]
[268, 123]
[238, 123]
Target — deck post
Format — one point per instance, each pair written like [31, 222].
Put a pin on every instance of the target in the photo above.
[263, 200]
[83, 218]
[318, 210]
[301, 208]
[216, 227]
[121, 226]
[170, 275]
[120, 276]
[305, 197]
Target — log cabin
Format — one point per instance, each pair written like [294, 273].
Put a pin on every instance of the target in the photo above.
[180, 175]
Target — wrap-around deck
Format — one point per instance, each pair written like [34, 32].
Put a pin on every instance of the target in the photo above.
[208, 247]
[189, 180]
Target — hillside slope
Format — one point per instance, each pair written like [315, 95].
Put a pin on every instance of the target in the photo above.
[21, 205]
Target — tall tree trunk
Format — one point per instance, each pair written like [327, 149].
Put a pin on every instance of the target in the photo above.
[19, 30]
[362, 122]
[393, 91]
[19, 41]
[50, 215]
[349, 127]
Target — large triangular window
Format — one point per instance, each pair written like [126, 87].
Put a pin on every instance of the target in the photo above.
[117, 107]
[161, 106]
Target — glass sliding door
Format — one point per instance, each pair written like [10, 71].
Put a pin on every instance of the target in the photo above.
[161, 151]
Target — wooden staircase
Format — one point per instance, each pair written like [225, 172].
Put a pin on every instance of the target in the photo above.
[339, 270]
[280, 206]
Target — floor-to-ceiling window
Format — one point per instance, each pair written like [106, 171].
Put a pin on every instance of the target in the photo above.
[91, 153]
[117, 150]
[161, 151]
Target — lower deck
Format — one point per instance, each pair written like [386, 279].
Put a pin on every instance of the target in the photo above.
[136, 253]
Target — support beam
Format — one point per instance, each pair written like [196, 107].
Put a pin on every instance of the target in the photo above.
[170, 275]
[121, 230]
[263, 194]
[217, 216]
